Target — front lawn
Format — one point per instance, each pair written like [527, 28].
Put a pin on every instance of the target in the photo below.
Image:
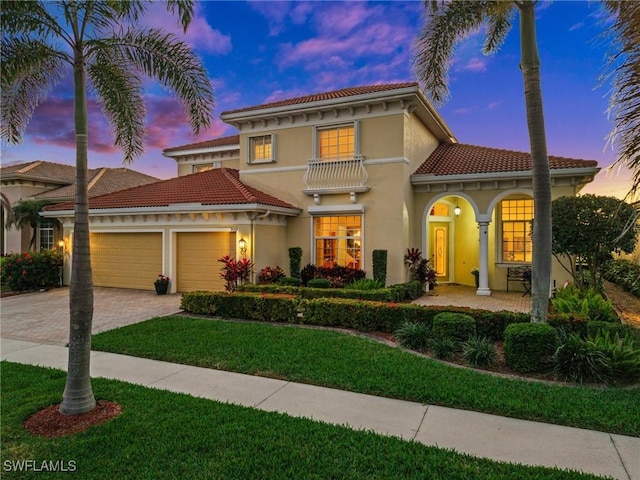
[164, 435]
[354, 363]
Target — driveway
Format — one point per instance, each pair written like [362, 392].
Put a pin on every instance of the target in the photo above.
[44, 316]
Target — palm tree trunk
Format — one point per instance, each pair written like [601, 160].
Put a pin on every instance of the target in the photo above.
[78, 395]
[541, 264]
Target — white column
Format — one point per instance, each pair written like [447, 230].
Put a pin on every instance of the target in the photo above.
[483, 288]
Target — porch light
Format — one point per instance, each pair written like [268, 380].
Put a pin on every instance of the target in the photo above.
[242, 244]
[61, 245]
[457, 210]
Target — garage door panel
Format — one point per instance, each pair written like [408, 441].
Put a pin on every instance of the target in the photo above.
[197, 259]
[126, 260]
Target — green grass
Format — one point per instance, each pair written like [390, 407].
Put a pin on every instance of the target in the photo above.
[359, 364]
[164, 435]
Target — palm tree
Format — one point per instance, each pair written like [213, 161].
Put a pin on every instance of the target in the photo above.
[446, 25]
[26, 213]
[102, 43]
[624, 71]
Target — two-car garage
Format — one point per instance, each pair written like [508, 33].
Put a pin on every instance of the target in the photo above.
[135, 259]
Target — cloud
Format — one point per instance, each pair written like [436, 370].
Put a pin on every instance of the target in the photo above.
[576, 26]
[465, 110]
[475, 64]
[493, 105]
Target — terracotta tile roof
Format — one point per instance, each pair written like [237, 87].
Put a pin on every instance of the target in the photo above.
[221, 186]
[232, 140]
[103, 181]
[318, 97]
[55, 172]
[460, 159]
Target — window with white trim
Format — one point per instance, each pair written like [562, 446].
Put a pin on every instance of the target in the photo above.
[516, 216]
[45, 233]
[262, 149]
[338, 239]
[336, 143]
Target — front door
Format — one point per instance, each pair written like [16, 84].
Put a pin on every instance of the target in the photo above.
[440, 253]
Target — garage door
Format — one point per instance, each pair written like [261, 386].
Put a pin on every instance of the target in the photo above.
[126, 260]
[197, 261]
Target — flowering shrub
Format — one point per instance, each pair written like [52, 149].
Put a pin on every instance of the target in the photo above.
[31, 270]
[337, 276]
[235, 272]
[270, 275]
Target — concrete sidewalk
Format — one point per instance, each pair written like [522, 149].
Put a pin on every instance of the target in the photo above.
[479, 434]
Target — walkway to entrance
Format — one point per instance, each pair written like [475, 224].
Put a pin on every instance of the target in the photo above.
[464, 296]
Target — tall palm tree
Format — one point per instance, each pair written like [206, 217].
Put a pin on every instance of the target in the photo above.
[26, 214]
[624, 71]
[447, 23]
[101, 42]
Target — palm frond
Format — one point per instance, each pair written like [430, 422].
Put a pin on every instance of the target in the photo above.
[498, 26]
[162, 57]
[446, 25]
[184, 9]
[120, 93]
[623, 71]
[27, 18]
[28, 71]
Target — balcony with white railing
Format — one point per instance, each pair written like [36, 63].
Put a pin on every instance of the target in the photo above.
[335, 176]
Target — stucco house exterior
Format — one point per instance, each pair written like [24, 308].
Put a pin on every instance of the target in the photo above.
[339, 174]
[53, 182]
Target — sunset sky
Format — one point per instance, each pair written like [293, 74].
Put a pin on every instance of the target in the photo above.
[258, 52]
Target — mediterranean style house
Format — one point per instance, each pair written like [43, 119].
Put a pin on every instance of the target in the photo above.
[53, 182]
[339, 174]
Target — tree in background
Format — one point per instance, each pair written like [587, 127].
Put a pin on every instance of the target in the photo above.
[26, 214]
[623, 70]
[447, 24]
[589, 229]
[104, 46]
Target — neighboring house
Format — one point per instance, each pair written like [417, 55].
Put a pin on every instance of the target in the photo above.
[339, 174]
[53, 182]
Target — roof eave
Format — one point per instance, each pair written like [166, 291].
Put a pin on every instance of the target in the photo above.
[198, 151]
[423, 179]
[181, 208]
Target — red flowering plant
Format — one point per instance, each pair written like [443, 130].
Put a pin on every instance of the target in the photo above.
[270, 275]
[235, 272]
[31, 271]
[161, 280]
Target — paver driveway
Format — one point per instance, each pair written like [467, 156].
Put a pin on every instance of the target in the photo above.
[44, 316]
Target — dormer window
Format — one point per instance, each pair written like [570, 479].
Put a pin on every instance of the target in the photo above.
[262, 149]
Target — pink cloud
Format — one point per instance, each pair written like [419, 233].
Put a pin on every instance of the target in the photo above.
[475, 64]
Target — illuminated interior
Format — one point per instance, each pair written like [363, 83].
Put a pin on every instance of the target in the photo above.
[338, 239]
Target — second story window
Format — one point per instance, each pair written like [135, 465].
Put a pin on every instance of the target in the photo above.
[204, 167]
[336, 143]
[262, 149]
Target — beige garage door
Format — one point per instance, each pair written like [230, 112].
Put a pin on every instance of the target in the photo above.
[126, 260]
[197, 262]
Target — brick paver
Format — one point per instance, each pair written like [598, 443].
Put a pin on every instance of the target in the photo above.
[44, 316]
[463, 296]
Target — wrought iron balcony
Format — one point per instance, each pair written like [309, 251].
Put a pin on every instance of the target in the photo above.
[326, 176]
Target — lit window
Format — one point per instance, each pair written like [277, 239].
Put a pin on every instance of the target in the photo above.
[46, 234]
[261, 149]
[440, 210]
[338, 239]
[516, 216]
[205, 167]
[336, 143]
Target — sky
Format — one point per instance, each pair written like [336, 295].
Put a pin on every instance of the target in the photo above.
[263, 51]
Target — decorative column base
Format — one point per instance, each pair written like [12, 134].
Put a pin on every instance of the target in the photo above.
[484, 292]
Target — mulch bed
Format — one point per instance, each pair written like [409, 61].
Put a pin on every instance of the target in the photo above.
[50, 423]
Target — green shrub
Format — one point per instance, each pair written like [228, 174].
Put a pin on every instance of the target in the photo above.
[289, 281]
[492, 324]
[32, 270]
[414, 335]
[623, 354]
[458, 326]
[528, 346]
[365, 284]
[444, 347]
[380, 266]
[319, 283]
[249, 306]
[578, 360]
[307, 273]
[587, 303]
[624, 273]
[593, 328]
[569, 322]
[479, 351]
[295, 259]
[200, 303]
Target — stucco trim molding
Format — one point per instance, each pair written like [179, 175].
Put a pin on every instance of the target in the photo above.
[341, 209]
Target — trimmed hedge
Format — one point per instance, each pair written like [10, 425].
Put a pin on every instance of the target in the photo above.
[336, 312]
[529, 346]
[458, 326]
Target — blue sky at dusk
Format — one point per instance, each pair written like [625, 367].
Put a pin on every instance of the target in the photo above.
[257, 52]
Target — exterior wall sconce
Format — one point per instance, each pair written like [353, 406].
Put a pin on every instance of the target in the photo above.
[61, 245]
[242, 244]
[457, 210]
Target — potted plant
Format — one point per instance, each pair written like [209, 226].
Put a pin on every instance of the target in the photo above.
[476, 273]
[161, 284]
